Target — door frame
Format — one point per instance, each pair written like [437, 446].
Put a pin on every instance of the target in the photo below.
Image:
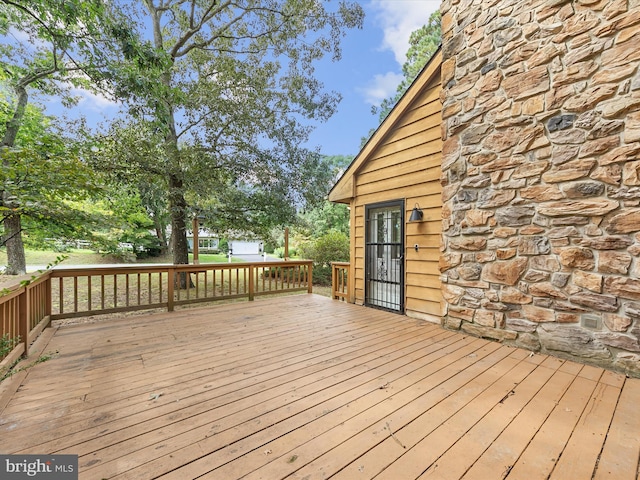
[370, 247]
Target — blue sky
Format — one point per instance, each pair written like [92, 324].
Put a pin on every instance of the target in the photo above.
[369, 71]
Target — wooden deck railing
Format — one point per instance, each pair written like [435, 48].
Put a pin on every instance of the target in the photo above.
[25, 310]
[339, 278]
[78, 292]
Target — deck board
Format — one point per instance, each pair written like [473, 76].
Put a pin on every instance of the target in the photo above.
[303, 387]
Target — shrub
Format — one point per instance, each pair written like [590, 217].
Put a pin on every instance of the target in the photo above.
[331, 247]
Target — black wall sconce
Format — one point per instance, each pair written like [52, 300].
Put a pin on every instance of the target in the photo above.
[416, 214]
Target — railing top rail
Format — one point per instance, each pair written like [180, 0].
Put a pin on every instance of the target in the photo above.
[14, 285]
[340, 264]
[141, 268]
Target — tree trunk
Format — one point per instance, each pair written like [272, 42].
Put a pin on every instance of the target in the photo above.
[16, 263]
[160, 234]
[180, 247]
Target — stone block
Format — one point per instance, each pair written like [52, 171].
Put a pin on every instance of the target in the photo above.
[561, 122]
[627, 362]
[563, 153]
[538, 314]
[452, 293]
[572, 340]
[596, 301]
[599, 145]
[547, 263]
[577, 257]
[528, 341]
[488, 332]
[627, 222]
[534, 245]
[533, 276]
[461, 313]
[575, 73]
[513, 216]
[605, 128]
[619, 340]
[618, 106]
[581, 22]
[590, 281]
[541, 193]
[588, 207]
[621, 54]
[613, 75]
[546, 289]
[632, 127]
[610, 261]
[568, 137]
[563, 232]
[611, 174]
[590, 97]
[617, 323]
[527, 84]
[452, 323]
[468, 243]
[504, 272]
[583, 189]
[571, 170]
[470, 271]
[624, 287]
[521, 325]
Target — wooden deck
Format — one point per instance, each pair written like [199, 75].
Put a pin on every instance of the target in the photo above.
[305, 387]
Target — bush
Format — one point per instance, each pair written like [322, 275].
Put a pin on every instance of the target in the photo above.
[331, 247]
[223, 246]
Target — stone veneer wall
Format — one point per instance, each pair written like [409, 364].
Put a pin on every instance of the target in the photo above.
[541, 175]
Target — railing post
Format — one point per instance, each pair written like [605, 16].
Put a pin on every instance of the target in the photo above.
[23, 320]
[251, 282]
[171, 279]
[334, 281]
[48, 301]
[310, 286]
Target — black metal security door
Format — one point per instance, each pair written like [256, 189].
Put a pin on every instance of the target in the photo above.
[384, 256]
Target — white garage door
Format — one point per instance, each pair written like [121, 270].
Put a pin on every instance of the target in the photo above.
[245, 248]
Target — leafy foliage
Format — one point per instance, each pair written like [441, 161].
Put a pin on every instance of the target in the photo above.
[330, 247]
[7, 343]
[43, 176]
[54, 45]
[226, 98]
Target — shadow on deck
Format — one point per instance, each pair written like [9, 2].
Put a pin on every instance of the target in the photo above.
[305, 387]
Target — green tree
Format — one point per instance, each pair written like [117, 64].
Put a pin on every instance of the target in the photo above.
[68, 43]
[327, 216]
[43, 178]
[228, 94]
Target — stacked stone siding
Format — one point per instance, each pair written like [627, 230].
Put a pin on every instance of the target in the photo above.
[541, 175]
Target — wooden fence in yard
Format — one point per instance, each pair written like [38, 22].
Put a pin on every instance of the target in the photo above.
[26, 310]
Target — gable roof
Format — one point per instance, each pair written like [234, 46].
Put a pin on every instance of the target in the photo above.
[343, 190]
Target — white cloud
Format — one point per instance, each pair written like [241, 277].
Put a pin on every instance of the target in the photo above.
[93, 101]
[382, 86]
[398, 18]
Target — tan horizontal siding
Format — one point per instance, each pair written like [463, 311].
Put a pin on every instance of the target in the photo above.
[406, 165]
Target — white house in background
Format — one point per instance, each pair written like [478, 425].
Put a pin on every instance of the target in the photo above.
[207, 241]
